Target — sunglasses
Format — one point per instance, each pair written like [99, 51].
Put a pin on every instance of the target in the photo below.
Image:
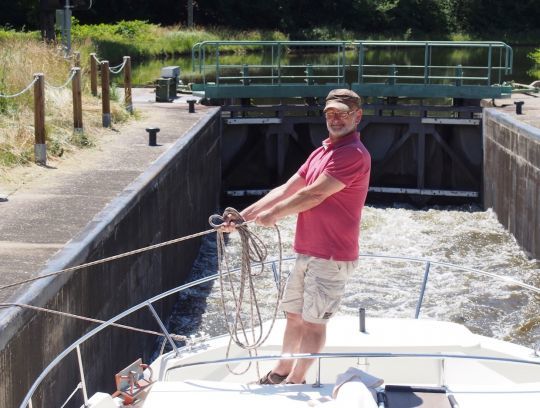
[340, 115]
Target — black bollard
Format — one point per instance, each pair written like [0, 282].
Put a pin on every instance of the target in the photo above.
[362, 315]
[519, 105]
[191, 103]
[152, 136]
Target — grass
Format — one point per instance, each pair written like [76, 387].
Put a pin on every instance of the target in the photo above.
[142, 40]
[20, 57]
[535, 56]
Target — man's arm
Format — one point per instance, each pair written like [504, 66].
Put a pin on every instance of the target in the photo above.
[302, 200]
[278, 194]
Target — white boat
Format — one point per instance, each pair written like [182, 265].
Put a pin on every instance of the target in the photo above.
[367, 362]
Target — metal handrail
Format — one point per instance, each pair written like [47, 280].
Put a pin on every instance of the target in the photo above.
[320, 356]
[203, 51]
[148, 303]
[429, 46]
[200, 51]
[302, 356]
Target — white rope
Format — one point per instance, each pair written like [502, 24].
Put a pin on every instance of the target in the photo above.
[73, 72]
[21, 92]
[117, 69]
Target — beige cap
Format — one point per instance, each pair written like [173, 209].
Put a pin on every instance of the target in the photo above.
[343, 99]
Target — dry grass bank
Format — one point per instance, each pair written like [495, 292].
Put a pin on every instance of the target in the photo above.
[20, 59]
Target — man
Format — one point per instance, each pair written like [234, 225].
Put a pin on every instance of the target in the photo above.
[328, 193]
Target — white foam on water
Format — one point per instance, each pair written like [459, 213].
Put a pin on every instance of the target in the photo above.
[466, 236]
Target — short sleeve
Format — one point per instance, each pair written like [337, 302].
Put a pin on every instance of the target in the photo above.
[302, 171]
[347, 164]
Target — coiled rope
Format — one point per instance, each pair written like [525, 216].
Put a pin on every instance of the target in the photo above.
[253, 251]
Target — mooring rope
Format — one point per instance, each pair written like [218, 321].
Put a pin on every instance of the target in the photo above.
[253, 251]
[109, 259]
[89, 319]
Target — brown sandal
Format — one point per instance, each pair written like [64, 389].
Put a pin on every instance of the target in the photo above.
[272, 378]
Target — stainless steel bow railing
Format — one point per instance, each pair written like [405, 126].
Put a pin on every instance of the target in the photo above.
[427, 264]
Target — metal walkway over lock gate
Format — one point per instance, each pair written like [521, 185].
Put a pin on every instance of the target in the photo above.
[413, 69]
[427, 144]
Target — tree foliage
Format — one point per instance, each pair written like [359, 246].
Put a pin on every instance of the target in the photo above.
[414, 18]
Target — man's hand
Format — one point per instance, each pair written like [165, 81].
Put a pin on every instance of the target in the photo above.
[230, 222]
[266, 219]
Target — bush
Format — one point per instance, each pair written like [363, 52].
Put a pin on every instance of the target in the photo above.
[140, 39]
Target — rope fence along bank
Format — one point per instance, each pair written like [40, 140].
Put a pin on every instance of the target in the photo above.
[75, 80]
[15, 95]
[105, 70]
[39, 84]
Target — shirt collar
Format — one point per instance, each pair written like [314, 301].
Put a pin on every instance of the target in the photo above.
[347, 139]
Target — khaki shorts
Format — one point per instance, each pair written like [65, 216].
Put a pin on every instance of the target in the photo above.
[315, 287]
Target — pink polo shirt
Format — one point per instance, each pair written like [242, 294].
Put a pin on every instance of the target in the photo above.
[331, 229]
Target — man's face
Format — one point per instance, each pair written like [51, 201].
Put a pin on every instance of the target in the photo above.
[340, 123]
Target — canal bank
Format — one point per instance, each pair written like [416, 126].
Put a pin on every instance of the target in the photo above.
[512, 167]
[122, 196]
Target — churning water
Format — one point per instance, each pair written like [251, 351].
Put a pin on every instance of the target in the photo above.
[466, 236]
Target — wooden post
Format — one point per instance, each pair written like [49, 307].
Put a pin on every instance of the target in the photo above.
[77, 100]
[127, 85]
[93, 74]
[77, 59]
[105, 94]
[40, 149]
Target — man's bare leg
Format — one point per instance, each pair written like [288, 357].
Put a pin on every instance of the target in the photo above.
[291, 342]
[313, 339]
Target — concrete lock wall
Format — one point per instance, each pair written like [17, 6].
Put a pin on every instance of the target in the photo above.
[173, 198]
[512, 176]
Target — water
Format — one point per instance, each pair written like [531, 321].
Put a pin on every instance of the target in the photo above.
[463, 235]
[524, 69]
